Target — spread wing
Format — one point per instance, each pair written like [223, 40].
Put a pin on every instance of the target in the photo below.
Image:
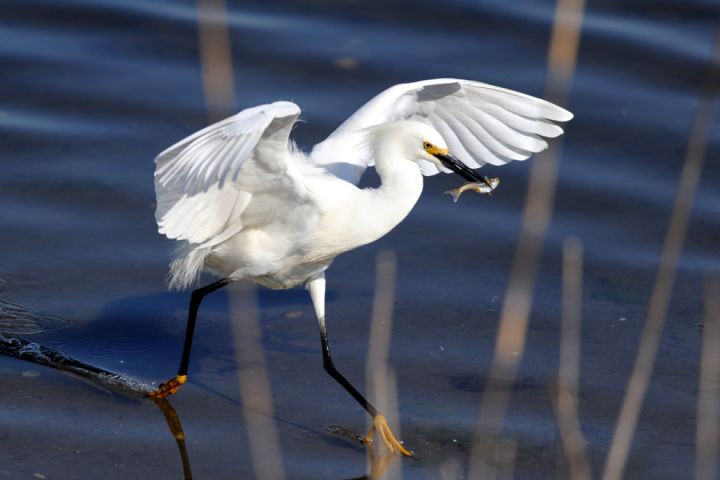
[205, 182]
[481, 124]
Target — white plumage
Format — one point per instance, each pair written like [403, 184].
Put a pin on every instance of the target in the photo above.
[246, 204]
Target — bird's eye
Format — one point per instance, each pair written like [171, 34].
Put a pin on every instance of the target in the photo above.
[427, 145]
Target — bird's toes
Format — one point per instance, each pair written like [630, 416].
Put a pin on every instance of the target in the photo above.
[168, 388]
[393, 444]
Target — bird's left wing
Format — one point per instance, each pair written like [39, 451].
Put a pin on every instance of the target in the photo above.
[481, 123]
[204, 182]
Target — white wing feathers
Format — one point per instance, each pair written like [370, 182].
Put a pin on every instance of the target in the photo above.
[481, 124]
[199, 196]
[205, 184]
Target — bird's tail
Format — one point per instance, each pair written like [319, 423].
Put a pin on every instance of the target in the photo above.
[186, 266]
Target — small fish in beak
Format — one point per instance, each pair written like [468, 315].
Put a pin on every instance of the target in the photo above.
[486, 188]
[479, 183]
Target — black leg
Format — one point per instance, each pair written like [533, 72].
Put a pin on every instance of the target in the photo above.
[174, 384]
[316, 286]
[195, 299]
[330, 368]
[379, 422]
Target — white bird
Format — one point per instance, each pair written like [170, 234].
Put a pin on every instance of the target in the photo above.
[247, 204]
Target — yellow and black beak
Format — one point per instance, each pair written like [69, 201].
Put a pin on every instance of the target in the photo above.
[458, 167]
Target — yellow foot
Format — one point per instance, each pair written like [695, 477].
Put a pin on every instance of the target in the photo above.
[380, 425]
[168, 388]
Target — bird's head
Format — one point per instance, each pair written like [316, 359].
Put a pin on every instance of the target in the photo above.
[419, 141]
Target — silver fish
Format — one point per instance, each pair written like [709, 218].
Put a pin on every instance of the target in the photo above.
[483, 188]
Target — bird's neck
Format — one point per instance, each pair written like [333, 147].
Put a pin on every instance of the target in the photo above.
[376, 211]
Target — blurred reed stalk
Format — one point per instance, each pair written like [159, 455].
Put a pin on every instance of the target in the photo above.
[568, 385]
[380, 378]
[216, 58]
[255, 393]
[707, 437]
[450, 470]
[512, 332]
[662, 290]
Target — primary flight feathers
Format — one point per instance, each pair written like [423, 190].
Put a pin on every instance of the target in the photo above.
[481, 123]
[248, 156]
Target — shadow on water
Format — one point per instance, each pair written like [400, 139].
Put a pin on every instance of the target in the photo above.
[19, 324]
[95, 89]
[24, 349]
[17, 321]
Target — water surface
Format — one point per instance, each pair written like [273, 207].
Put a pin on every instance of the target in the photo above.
[92, 90]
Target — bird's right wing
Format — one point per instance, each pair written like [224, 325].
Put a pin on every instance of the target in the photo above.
[205, 182]
[481, 123]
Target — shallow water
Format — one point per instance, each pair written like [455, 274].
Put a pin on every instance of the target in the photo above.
[93, 90]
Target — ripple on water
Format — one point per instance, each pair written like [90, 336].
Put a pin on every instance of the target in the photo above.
[18, 319]
[8, 287]
[124, 344]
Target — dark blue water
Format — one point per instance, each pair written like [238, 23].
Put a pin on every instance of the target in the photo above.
[92, 90]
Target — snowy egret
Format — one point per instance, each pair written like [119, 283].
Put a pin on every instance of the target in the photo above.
[247, 204]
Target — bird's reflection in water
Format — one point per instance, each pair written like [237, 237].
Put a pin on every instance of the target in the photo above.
[380, 462]
[17, 346]
[380, 459]
[175, 426]
[24, 349]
